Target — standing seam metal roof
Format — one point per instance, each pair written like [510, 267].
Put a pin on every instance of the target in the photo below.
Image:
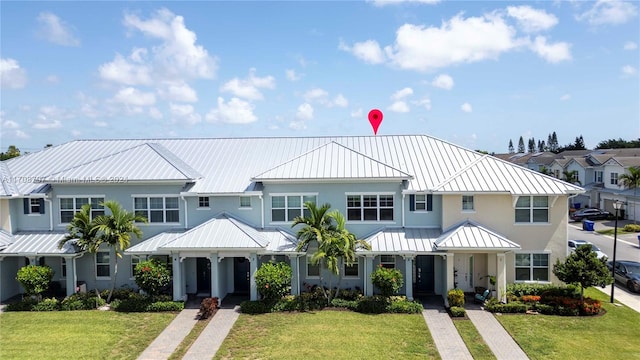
[471, 236]
[38, 243]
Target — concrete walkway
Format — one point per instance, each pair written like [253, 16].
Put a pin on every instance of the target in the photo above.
[169, 339]
[622, 296]
[445, 335]
[497, 338]
[209, 341]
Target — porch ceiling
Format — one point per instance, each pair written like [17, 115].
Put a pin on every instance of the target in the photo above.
[472, 236]
[38, 243]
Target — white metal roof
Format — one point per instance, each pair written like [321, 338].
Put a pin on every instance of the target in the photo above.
[8, 185]
[38, 244]
[5, 239]
[472, 236]
[490, 174]
[151, 245]
[403, 240]
[279, 241]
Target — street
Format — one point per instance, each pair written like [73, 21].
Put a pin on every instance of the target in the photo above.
[627, 249]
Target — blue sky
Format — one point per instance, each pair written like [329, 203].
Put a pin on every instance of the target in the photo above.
[474, 73]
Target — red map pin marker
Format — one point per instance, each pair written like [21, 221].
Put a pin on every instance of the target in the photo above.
[375, 119]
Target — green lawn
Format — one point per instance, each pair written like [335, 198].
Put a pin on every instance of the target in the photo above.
[329, 335]
[78, 334]
[472, 338]
[613, 335]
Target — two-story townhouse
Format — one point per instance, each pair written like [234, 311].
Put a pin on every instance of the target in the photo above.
[443, 215]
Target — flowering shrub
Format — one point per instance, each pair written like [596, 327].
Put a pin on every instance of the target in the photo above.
[208, 307]
[35, 279]
[152, 276]
[273, 280]
[455, 297]
[530, 298]
[388, 281]
[590, 307]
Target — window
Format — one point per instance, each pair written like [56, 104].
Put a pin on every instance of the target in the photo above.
[388, 261]
[134, 262]
[467, 202]
[245, 202]
[370, 207]
[313, 270]
[351, 270]
[556, 174]
[157, 209]
[63, 267]
[598, 176]
[203, 201]
[421, 202]
[103, 265]
[532, 209]
[532, 267]
[288, 207]
[614, 178]
[69, 206]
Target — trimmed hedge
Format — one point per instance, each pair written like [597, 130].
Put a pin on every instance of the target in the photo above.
[369, 305]
[516, 307]
[457, 311]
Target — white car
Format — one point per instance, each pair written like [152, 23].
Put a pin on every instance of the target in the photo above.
[573, 244]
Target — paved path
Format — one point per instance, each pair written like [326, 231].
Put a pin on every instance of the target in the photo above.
[169, 339]
[620, 295]
[445, 335]
[209, 341]
[496, 337]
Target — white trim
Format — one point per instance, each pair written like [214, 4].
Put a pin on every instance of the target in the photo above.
[164, 209]
[286, 207]
[371, 193]
[76, 210]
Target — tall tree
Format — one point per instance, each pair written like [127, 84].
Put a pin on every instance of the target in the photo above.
[579, 143]
[511, 149]
[521, 145]
[583, 267]
[12, 151]
[631, 180]
[620, 143]
[553, 144]
[532, 145]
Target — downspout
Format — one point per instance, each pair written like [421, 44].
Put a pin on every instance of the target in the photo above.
[403, 195]
[261, 211]
[186, 212]
[50, 213]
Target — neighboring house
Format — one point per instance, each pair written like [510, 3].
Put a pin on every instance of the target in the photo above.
[443, 215]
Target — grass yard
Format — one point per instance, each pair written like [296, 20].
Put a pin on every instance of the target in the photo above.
[78, 334]
[611, 336]
[329, 335]
[472, 338]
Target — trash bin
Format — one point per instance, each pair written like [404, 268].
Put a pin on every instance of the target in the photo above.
[587, 225]
[576, 205]
[639, 241]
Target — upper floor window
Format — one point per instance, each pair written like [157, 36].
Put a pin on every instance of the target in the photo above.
[69, 206]
[556, 174]
[33, 206]
[203, 201]
[597, 177]
[370, 207]
[532, 209]
[467, 203]
[245, 202]
[420, 202]
[614, 178]
[288, 207]
[157, 209]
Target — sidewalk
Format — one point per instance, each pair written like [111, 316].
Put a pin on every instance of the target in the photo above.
[209, 341]
[497, 338]
[169, 339]
[623, 297]
[444, 333]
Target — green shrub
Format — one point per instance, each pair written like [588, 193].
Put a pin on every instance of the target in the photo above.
[81, 301]
[34, 278]
[545, 309]
[405, 306]
[342, 303]
[287, 303]
[120, 293]
[520, 289]
[373, 304]
[254, 307]
[457, 311]
[134, 303]
[160, 306]
[388, 281]
[25, 305]
[273, 280]
[506, 308]
[455, 297]
[632, 228]
[208, 307]
[312, 300]
[152, 276]
[51, 304]
[349, 294]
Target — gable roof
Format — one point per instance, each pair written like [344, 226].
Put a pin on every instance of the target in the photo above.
[38, 243]
[403, 240]
[472, 236]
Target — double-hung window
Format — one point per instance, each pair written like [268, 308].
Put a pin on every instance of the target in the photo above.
[103, 264]
[370, 207]
[614, 178]
[351, 270]
[157, 209]
[532, 267]
[532, 209]
[388, 261]
[313, 270]
[597, 176]
[69, 206]
[285, 208]
[467, 203]
[33, 206]
[134, 262]
[245, 202]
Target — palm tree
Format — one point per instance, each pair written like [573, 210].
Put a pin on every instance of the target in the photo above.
[571, 177]
[632, 181]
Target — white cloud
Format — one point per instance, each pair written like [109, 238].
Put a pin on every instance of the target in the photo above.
[12, 76]
[55, 30]
[552, 52]
[402, 93]
[565, 97]
[424, 102]
[22, 135]
[178, 92]
[292, 75]
[399, 106]
[532, 20]
[369, 51]
[43, 123]
[100, 124]
[466, 107]
[630, 45]
[52, 79]
[185, 113]
[612, 12]
[10, 124]
[127, 72]
[155, 113]
[88, 105]
[236, 111]
[340, 101]
[321, 97]
[381, 3]
[443, 81]
[357, 113]
[249, 87]
[629, 70]
[305, 112]
[134, 97]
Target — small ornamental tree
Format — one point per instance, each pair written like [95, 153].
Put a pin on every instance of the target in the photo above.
[152, 276]
[273, 280]
[388, 281]
[35, 279]
[583, 267]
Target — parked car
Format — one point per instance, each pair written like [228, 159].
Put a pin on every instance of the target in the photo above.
[627, 273]
[573, 244]
[590, 214]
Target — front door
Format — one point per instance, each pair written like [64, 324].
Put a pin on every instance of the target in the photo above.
[203, 267]
[463, 273]
[424, 274]
[241, 275]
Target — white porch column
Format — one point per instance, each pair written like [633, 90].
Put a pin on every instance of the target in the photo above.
[1, 258]
[408, 277]
[368, 269]
[253, 288]
[215, 280]
[72, 277]
[501, 278]
[449, 277]
[177, 277]
[295, 278]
